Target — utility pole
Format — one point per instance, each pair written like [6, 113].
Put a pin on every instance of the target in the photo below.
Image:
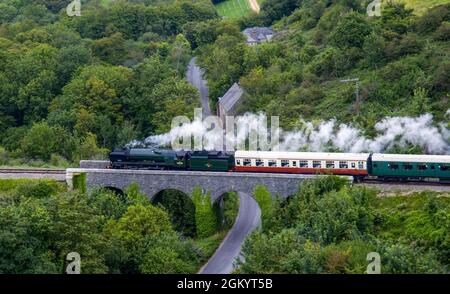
[358, 102]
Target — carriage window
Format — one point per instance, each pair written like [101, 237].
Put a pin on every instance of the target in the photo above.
[353, 165]
[330, 164]
[303, 163]
[294, 163]
[272, 163]
[247, 162]
[407, 167]
[393, 166]
[361, 164]
[343, 164]
[259, 162]
[317, 164]
[285, 163]
[422, 167]
[432, 167]
[238, 162]
[445, 167]
[375, 165]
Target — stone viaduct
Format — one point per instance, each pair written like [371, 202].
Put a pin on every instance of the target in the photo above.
[153, 181]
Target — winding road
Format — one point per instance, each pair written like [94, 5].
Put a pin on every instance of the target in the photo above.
[194, 76]
[248, 219]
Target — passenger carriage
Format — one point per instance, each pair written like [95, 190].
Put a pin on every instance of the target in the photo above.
[351, 164]
[386, 166]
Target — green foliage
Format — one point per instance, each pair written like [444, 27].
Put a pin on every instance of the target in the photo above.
[205, 219]
[137, 222]
[422, 220]
[264, 200]
[351, 31]
[209, 245]
[166, 254]
[227, 210]
[42, 140]
[296, 75]
[401, 258]
[38, 189]
[40, 224]
[79, 182]
[181, 210]
[328, 227]
[81, 79]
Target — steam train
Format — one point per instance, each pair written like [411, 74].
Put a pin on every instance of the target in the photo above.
[359, 165]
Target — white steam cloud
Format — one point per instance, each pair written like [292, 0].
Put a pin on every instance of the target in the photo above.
[329, 135]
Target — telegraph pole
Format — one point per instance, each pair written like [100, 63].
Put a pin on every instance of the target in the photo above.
[358, 102]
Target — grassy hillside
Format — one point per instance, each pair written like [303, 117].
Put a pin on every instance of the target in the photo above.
[401, 60]
[420, 6]
[233, 8]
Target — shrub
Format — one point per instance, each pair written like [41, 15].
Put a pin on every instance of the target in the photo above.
[205, 219]
[39, 189]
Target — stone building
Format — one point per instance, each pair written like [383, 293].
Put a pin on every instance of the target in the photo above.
[258, 35]
[228, 104]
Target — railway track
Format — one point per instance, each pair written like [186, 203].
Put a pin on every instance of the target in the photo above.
[33, 173]
[406, 183]
[38, 171]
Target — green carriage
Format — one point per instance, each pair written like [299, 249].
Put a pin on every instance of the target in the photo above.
[410, 166]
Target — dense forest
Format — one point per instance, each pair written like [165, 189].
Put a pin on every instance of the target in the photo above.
[41, 222]
[75, 87]
[401, 59]
[329, 227]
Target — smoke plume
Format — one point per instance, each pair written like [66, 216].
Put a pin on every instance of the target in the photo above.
[328, 135]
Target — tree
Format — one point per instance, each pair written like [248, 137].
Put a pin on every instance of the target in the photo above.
[275, 9]
[264, 199]
[351, 31]
[110, 49]
[138, 222]
[179, 55]
[181, 210]
[420, 102]
[88, 149]
[205, 218]
[374, 46]
[42, 140]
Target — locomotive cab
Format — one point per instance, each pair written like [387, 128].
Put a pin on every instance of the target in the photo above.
[118, 158]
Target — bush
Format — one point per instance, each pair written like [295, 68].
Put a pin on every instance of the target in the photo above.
[205, 219]
[264, 200]
[230, 210]
[42, 140]
[3, 156]
[79, 182]
[401, 258]
[39, 189]
[180, 208]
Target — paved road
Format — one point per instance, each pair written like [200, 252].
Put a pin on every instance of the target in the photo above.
[249, 218]
[194, 76]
